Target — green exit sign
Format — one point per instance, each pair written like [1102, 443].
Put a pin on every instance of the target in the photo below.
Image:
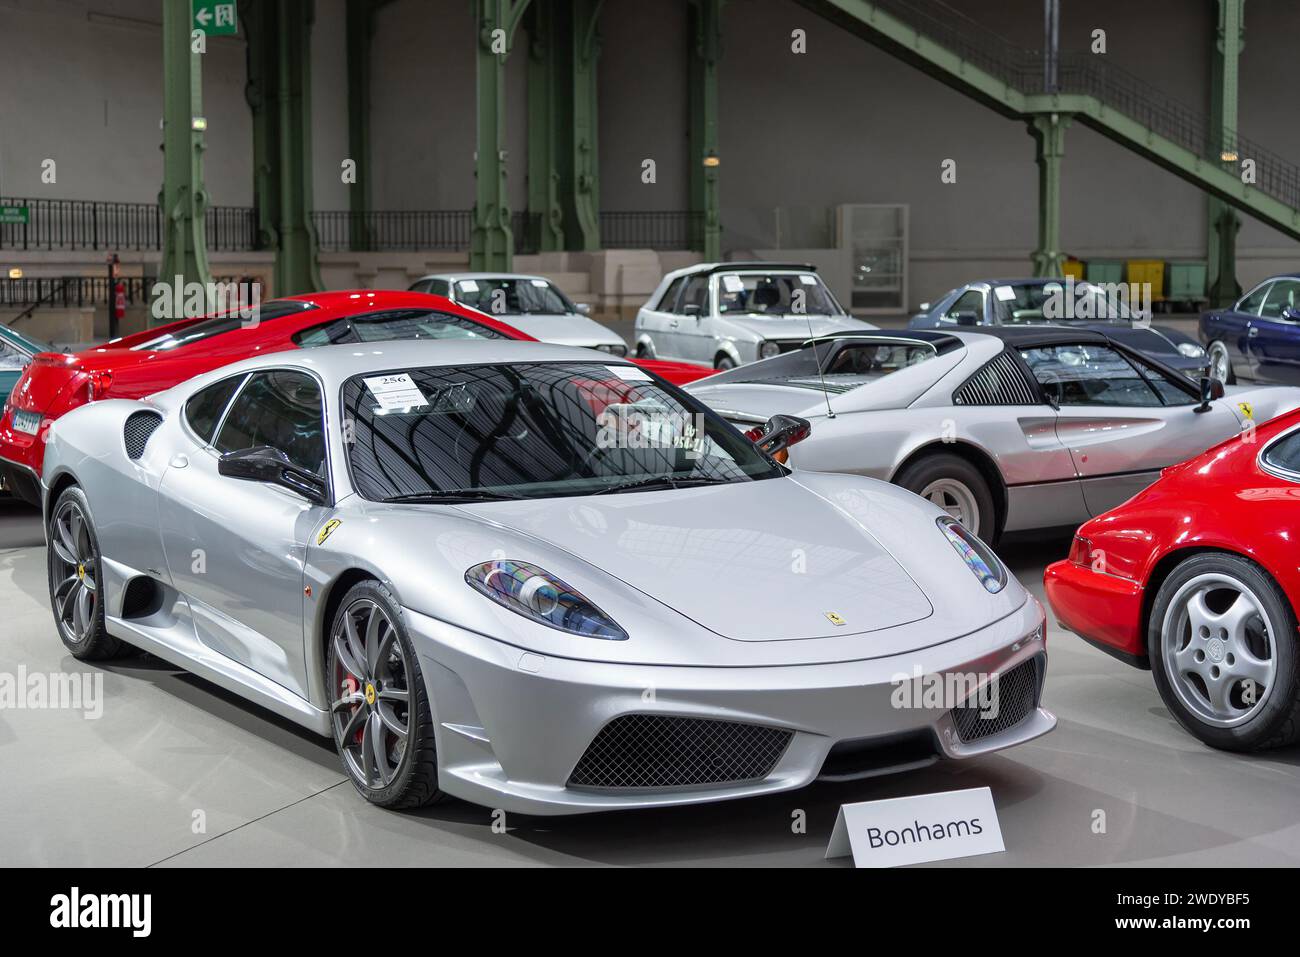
[15, 215]
[215, 19]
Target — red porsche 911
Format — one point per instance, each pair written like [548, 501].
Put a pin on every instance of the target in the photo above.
[159, 358]
[1197, 578]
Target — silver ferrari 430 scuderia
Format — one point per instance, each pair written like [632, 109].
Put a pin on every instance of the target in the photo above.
[530, 576]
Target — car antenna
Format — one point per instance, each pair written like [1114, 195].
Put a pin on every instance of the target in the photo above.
[821, 375]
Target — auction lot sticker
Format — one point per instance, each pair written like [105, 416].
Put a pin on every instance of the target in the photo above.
[912, 830]
[394, 392]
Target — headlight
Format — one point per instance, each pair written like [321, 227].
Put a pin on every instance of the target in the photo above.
[1191, 350]
[536, 594]
[619, 350]
[979, 558]
[768, 349]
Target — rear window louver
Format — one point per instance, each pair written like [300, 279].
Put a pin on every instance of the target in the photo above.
[998, 382]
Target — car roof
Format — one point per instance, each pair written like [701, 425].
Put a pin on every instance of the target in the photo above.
[450, 276]
[745, 265]
[1027, 337]
[940, 340]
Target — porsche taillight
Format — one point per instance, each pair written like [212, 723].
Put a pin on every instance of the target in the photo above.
[1081, 551]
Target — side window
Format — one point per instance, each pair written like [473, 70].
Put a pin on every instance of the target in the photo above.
[1284, 454]
[439, 287]
[1281, 296]
[1086, 374]
[967, 310]
[421, 286]
[668, 302]
[696, 293]
[11, 358]
[204, 408]
[283, 410]
[1252, 302]
[1168, 389]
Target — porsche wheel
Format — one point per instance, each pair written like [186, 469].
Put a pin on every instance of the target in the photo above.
[1221, 363]
[957, 487]
[75, 576]
[383, 726]
[1222, 645]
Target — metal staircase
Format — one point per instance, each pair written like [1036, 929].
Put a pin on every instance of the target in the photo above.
[969, 57]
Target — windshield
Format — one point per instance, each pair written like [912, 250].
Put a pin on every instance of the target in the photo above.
[536, 430]
[502, 296]
[1057, 303]
[398, 324]
[219, 325]
[775, 294]
[845, 365]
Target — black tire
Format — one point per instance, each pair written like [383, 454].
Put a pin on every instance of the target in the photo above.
[414, 775]
[944, 466]
[642, 352]
[75, 572]
[722, 362]
[1277, 720]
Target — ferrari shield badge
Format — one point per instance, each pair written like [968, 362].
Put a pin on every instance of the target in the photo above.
[328, 530]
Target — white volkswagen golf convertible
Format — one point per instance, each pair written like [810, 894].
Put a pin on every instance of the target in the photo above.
[531, 577]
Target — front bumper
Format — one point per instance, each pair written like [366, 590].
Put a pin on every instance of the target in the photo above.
[511, 726]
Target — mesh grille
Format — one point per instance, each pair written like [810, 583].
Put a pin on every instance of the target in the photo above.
[1017, 698]
[998, 382]
[139, 426]
[658, 751]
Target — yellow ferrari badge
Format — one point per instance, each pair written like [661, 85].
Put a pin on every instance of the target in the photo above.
[834, 619]
[1247, 409]
[328, 530]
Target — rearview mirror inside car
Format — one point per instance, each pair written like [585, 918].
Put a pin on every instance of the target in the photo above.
[267, 464]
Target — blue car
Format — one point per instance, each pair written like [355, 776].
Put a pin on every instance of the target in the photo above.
[1258, 337]
[1078, 305]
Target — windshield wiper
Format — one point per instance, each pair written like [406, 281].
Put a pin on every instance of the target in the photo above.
[659, 482]
[454, 495]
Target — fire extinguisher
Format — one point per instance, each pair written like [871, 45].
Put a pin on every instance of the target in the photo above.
[117, 296]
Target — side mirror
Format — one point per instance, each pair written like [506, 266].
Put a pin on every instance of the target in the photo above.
[265, 464]
[1291, 314]
[1211, 389]
[780, 432]
[584, 308]
[966, 319]
[692, 310]
[924, 307]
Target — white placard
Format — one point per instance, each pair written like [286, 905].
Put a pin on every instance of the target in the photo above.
[732, 283]
[467, 285]
[630, 373]
[808, 280]
[395, 392]
[1004, 293]
[539, 283]
[922, 827]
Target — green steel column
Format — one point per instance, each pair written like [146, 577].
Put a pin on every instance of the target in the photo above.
[360, 32]
[703, 161]
[1048, 131]
[582, 198]
[544, 127]
[279, 93]
[183, 199]
[492, 243]
[1222, 219]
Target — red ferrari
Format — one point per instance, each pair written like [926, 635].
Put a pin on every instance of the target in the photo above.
[1197, 579]
[158, 358]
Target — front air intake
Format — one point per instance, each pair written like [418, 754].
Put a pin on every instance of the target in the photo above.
[650, 751]
[135, 434]
[1018, 691]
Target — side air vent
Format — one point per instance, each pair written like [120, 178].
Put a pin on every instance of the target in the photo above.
[139, 427]
[999, 381]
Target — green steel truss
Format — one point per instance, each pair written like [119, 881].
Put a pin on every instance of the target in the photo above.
[704, 58]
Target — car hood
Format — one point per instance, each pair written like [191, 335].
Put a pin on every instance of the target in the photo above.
[794, 327]
[565, 330]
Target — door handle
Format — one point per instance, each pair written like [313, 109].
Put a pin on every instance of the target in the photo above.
[673, 324]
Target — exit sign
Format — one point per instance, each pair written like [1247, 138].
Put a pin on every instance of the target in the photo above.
[215, 19]
[15, 215]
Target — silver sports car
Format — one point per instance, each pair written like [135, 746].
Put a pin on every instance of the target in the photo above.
[1016, 428]
[532, 577]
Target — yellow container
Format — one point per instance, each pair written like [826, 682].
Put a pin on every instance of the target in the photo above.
[1073, 268]
[1149, 271]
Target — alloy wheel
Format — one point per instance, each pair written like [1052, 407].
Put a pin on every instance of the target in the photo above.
[372, 715]
[956, 499]
[1220, 366]
[1217, 647]
[76, 591]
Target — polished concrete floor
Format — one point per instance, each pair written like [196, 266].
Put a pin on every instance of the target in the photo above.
[176, 772]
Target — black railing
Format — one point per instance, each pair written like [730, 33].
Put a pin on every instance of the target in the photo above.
[67, 224]
[651, 229]
[389, 230]
[68, 291]
[1085, 74]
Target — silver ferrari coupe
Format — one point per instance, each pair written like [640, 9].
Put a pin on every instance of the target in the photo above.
[1007, 430]
[532, 577]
